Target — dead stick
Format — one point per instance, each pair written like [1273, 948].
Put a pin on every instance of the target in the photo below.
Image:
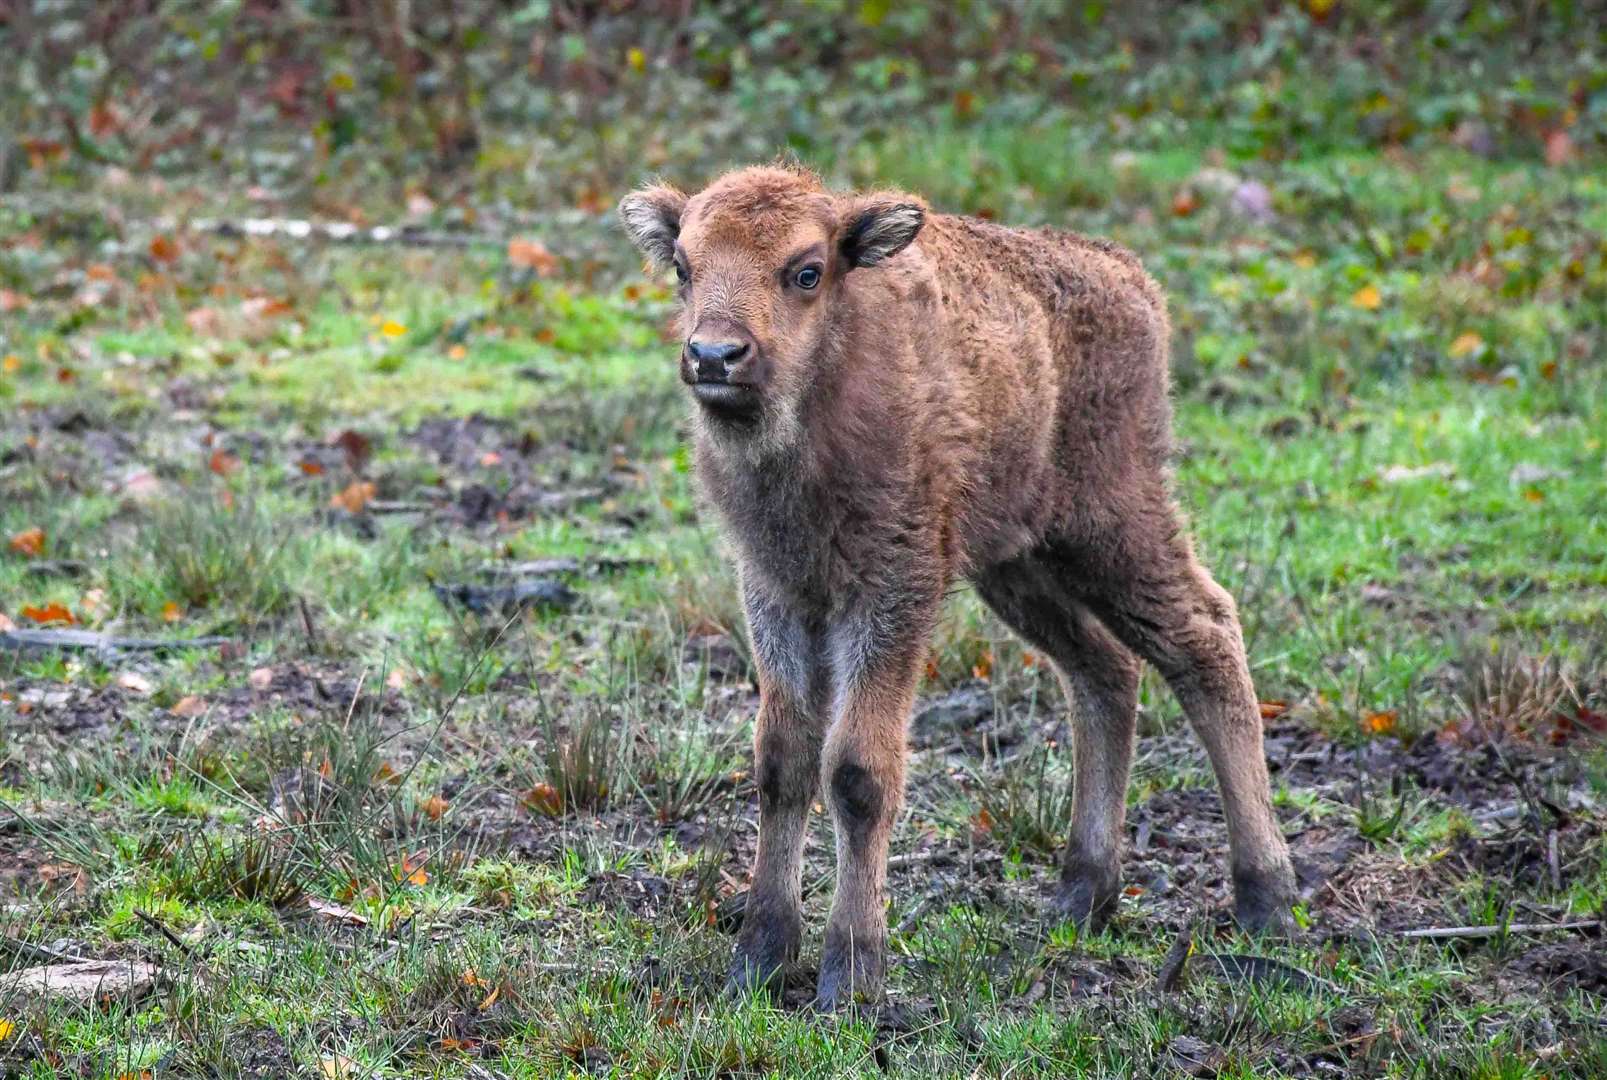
[156, 924]
[1497, 931]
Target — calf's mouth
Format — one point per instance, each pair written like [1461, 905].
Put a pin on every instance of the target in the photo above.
[726, 400]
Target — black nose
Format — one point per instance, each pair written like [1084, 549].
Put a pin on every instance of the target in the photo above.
[715, 359]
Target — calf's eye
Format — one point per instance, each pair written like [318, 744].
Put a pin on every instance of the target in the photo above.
[807, 278]
[680, 273]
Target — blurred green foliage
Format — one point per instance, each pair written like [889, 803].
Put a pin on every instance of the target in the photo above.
[550, 103]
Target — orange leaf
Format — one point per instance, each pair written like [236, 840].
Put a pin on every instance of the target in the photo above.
[1271, 710]
[544, 799]
[385, 774]
[1367, 298]
[982, 821]
[49, 613]
[412, 870]
[1382, 723]
[354, 497]
[223, 463]
[434, 807]
[1466, 344]
[312, 468]
[171, 612]
[1185, 202]
[983, 668]
[29, 542]
[163, 248]
[532, 255]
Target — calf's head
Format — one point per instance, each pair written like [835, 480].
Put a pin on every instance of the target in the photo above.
[762, 258]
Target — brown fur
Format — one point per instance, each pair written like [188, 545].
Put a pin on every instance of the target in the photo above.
[976, 402]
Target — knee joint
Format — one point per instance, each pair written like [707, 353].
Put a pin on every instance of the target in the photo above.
[858, 799]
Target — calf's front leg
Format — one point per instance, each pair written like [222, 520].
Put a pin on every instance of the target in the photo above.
[786, 753]
[875, 664]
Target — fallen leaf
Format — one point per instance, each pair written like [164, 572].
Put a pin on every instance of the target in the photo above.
[171, 612]
[357, 446]
[457, 352]
[1466, 344]
[544, 799]
[163, 248]
[11, 364]
[1271, 710]
[434, 807]
[982, 821]
[6, 1028]
[532, 255]
[412, 870]
[134, 683]
[260, 678]
[386, 774]
[354, 497]
[1367, 298]
[983, 668]
[333, 912]
[29, 542]
[392, 329]
[48, 613]
[1381, 723]
[1185, 202]
[223, 463]
[397, 679]
[636, 58]
[490, 999]
[338, 1067]
[188, 706]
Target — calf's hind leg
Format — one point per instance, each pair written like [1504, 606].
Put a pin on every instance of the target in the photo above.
[1100, 678]
[1159, 600]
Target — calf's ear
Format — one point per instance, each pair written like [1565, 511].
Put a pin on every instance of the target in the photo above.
[880, 229]
[652, 217]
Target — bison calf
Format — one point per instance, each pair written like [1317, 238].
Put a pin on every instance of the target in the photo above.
[889, 399]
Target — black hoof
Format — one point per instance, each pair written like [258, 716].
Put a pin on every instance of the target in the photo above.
[1087, 894]
[768, 942]
[750, 975]
[850, 973]
[1263, 901]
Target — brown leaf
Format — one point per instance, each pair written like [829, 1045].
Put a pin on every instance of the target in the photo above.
[544, 799]
[332, 912]
[260, 678]
[163, 248]
[1185, 202]
[29, 542]
[223, 463]
[434, 807]
[357, 446]
[1271, 710]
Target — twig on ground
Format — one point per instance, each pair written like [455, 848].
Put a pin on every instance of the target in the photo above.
[95, 641]
[1437, 932]
[161, 928]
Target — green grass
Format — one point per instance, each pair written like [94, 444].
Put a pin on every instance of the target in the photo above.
[538, 817]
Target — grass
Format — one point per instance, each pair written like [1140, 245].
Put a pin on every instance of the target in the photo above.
[1391, 405]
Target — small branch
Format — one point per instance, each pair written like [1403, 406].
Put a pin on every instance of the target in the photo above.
[156, 924]
[1438, 932]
